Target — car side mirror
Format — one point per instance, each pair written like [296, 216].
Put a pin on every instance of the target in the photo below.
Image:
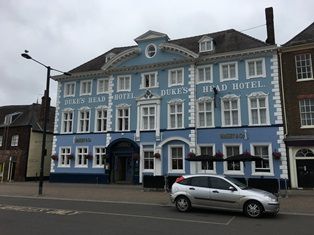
[231, 188]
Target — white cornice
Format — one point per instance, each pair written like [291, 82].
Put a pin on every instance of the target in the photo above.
[178, 49]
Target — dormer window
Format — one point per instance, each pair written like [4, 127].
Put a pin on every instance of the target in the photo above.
[9, 118]
[206, 44]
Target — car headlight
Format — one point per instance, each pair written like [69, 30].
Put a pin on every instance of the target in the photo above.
[271, 199]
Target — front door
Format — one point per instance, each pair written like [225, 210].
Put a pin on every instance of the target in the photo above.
[123, 169]
[305, 172]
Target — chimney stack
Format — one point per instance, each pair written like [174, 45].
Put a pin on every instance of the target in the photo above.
[270, 26]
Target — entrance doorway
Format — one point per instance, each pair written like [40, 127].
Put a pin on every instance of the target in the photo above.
[305, 171]
[123, 157]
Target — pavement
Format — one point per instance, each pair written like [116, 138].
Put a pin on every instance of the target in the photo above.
[291, 201]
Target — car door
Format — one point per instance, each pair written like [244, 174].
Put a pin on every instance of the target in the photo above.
[221, 195]
[198, 189]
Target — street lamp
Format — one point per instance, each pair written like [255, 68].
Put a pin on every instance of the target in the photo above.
[46, 115]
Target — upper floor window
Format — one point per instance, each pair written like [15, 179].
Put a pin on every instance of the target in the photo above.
[205, 113]
[69, 89]
[204, 74]
[175, 77]
[67, 121]
[64, 159]
[228, 71]
[148, 117]
[84, 116]
[150, 51]
[102, 85]
[258, 109]
[15, 140]
[149, 80]
[303, 64]
[81, 157]
[175, 112]
[86, 88]
[123, 118]
[99, 157]
[124, 83]
[101, 119]
[307, 112]
[205, 44]
[255, 68]
[231, 111]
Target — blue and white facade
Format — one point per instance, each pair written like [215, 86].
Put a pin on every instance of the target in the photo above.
[139, 111]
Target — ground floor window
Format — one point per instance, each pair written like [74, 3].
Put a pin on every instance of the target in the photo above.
[233, 167]
[148, 160]
[263, 152]
[64, 159]
[176, 158]
[99, 157]
[81, 157]
[207, 151]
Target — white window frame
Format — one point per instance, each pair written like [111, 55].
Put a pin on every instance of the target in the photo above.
[200, 164]
[309, 66]
[254, 61]
[308, 112]
[176, 83]
[121, 80]
[15, 140]
[149, 128]
[1, 140]
[84, 87]
[170, 167]
[230, 98]
[210, 80]
[69, 89]
[102, 86]
[206, 44]
[149, 159]
[123, 107]
[271, 166]
[86, 121]
[150, 75]
[63, 158]
[206, 112]
[147, 50]
[69, 122]
[221, 65]
[84, 157]
[103, 119]
[232, 172]
[176, 103]
[99, 156]
[257, 96]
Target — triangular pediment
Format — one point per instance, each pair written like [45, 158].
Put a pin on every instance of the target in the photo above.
[151, 35]
[148, 95]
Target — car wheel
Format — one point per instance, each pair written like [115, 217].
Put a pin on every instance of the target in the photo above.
[253, 209]
[183, 204]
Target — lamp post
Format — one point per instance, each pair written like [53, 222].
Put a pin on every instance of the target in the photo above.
[46, 115]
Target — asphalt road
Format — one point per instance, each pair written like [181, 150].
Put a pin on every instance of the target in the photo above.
[31, 215]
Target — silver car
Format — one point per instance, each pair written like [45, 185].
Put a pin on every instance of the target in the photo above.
[221, 192]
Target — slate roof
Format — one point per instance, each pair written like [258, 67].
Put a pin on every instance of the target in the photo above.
[29, 116]
[306, 36]
[225, 41]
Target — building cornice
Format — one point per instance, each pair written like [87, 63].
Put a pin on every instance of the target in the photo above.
[304, 46]
[178, 49]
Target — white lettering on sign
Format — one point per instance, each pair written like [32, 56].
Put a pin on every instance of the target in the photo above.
[174, 91]
[88, 100]
[234, 86]
[123, 96]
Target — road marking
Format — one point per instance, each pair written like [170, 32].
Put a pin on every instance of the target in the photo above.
[159, 218]
[38, 210]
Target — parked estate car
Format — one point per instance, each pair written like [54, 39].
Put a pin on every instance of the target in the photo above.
[221, 192]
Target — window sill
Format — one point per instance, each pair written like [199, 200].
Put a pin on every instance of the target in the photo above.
[305, 80]
[229, 79]
[64, 166]
[79, 166]
[307, 127]
[263, 174]
[256, 77]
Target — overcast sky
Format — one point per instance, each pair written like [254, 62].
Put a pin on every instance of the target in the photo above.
[67, 33]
